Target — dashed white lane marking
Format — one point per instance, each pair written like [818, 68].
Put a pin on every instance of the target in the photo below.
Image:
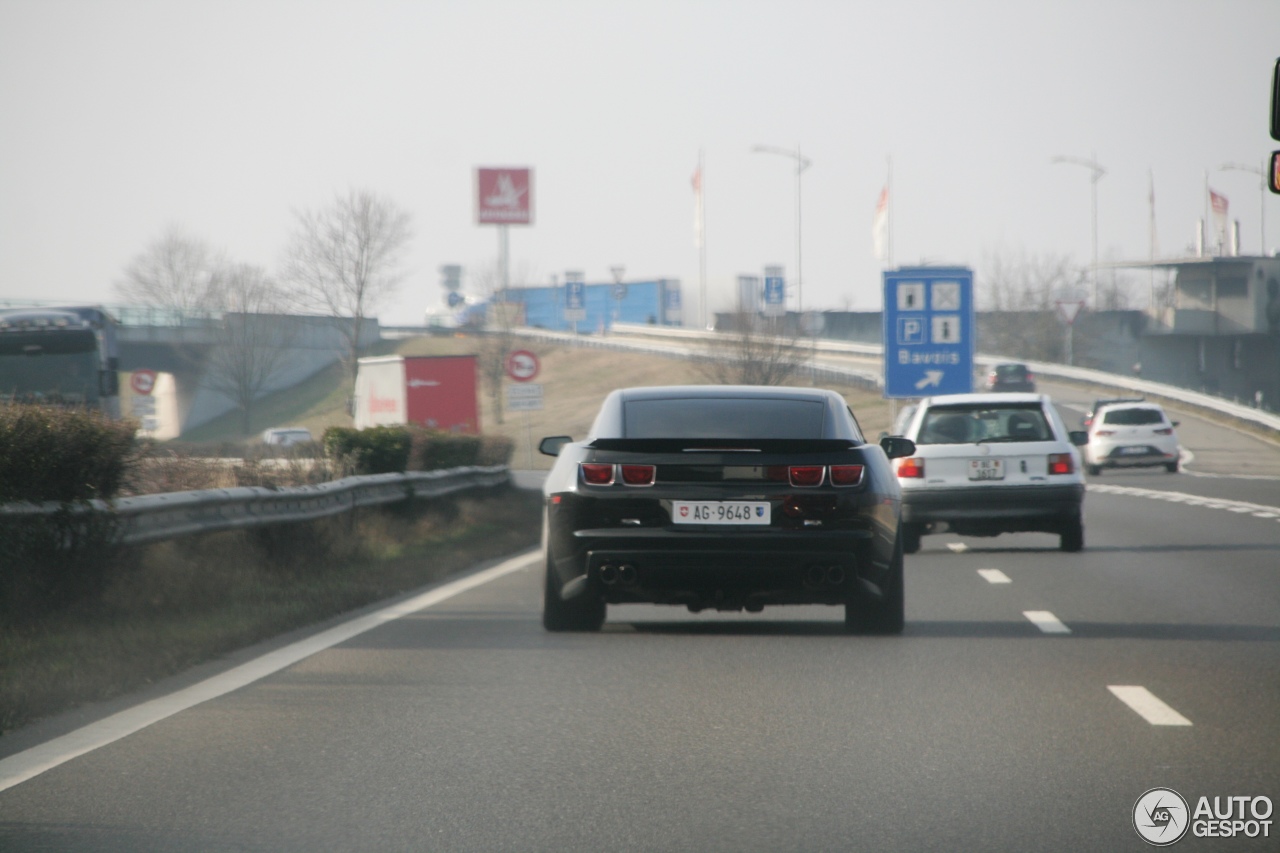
[1145, 704]
[1046, 621]
[1257, 510]
[957, 547]
[25, 765]
[994, 576]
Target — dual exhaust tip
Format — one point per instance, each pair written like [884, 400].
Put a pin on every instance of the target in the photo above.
[621, 575]
[819, 577]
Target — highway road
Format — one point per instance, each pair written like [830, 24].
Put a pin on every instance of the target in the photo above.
[1033, 698]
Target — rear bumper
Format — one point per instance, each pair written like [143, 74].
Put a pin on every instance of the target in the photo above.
[1149, 456]
[1014, 505]
[725, 570]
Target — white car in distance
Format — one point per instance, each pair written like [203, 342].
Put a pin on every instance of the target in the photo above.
[1131, 434]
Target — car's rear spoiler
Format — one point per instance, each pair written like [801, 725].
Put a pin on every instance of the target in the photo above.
[729, 445]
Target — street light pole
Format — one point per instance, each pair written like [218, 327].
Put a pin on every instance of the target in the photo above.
[1097, 173]
[802, 163]
[1262, 206]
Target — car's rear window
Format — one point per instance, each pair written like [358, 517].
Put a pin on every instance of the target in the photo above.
[722, 418]
[1132, 417]
[1011, 371]
[978, 423]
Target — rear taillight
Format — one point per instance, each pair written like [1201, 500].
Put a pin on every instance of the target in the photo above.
[846, 475]
[1061, 463]
[597, 473]
[638, 475]
[805, 476]
[1105, 432]
[911, 468]
[1165, 431]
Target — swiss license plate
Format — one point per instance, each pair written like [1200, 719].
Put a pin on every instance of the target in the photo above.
[720, 512]
[1136, 450]
[986, 469]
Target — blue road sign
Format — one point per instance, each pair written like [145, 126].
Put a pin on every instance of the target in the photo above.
[928, 331]
[775, 292]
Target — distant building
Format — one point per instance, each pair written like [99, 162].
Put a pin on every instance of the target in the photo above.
[655, 302]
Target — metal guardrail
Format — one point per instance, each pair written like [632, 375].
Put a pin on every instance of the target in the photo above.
[150, 518]
[684, 339]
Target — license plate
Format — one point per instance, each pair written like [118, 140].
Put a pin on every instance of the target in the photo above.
[986, 469]
[720, 512]
[1132, 451]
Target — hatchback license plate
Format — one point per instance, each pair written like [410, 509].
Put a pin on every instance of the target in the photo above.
[720, 512]
[986, 469]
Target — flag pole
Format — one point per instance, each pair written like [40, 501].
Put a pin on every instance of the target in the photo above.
[889, 237]
[702, 242]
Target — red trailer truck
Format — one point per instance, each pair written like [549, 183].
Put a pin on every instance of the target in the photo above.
[438, 392]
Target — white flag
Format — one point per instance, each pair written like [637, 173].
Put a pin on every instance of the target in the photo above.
[880, 227]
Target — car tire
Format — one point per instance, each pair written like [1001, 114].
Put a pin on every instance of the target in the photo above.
[910, 539]
[888, 615]
[1172, 467]
[1071, 539]
[584, 613]
[1093, 470]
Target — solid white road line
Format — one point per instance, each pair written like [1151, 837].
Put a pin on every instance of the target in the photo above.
[994, 576]
[957, 547]
[1143, 702]
[25, 765]
[1046, 621]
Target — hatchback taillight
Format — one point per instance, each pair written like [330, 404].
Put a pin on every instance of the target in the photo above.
[911, 468]
[597, 473]
[805, 476]
[1105, 432]
[846, 475]
[1165, 431]
[638, 475]
[1061, 463]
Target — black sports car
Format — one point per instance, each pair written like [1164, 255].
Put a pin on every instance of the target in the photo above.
[725, 497]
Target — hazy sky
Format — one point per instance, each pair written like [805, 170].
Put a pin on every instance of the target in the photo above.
[121, 117]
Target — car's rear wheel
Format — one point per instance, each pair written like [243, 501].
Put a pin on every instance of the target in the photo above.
[888, 615]
[1093, 470]
[910, 538]
[1072, 536]
[586, 612]
[1171, 467]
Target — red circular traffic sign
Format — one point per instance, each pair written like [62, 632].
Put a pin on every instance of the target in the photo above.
[522, 365]
[142, 381]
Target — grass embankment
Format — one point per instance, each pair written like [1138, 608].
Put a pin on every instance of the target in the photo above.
[178, 603]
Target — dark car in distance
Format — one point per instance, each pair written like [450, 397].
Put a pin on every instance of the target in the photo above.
[727, 498]
[1013, 376]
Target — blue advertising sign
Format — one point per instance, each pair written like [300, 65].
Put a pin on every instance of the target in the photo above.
[928, 331]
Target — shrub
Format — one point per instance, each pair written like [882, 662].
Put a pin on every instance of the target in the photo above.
[55, 454]
[376, 450]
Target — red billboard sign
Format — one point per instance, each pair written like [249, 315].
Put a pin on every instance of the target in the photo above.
[504, 196]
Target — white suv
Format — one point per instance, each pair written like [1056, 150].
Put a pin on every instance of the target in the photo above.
[987, 464]
[1131, 434]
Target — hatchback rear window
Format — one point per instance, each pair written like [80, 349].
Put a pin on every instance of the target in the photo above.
[1132, 417]
[974, 424]
[723, 418]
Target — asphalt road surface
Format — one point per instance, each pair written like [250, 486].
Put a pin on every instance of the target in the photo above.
[1034, 697]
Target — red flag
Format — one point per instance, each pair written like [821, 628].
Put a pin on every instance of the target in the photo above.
[1218, 203]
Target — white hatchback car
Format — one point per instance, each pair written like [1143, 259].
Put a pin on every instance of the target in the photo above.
[994, 463]
[1131, 434]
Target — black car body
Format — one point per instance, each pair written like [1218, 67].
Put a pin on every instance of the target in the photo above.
[724, 497]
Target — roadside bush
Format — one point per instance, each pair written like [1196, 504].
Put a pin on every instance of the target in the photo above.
[376, 450]
[55, 454]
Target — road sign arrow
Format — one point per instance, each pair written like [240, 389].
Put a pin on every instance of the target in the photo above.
[931, 377]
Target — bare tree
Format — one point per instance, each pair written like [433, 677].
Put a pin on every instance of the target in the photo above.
[755, 352]
[176, 272]
[251, 341]
[1019, 293]
[344, 260]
